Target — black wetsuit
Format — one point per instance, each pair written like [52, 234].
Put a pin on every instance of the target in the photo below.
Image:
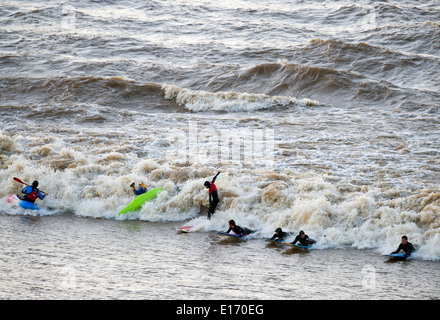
[281, 235]
[306, 241]
[407, 248]
[239, 230]
[213, 197]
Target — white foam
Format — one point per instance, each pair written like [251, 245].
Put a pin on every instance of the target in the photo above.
[93, 178]
[197, 100]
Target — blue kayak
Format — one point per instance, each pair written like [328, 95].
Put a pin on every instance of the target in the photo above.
[14, 199]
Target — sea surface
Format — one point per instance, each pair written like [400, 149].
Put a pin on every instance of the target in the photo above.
[321, 116]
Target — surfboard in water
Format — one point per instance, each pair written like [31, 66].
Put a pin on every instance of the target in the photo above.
[297, 245]
[273, 240]
[400, 256]
[187, 229]
[232, 234]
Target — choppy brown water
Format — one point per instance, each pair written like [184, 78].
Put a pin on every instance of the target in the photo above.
[108, 259]
[324, 115]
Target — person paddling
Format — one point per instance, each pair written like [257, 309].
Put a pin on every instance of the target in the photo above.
[303, 239]
[237, 229]
[213, 195]
[280, 235]
[31, 193]
[406, 246]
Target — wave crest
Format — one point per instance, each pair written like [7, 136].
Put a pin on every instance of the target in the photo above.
[197, 100]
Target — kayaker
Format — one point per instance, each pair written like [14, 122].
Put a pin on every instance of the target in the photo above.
[31, 193]
[213, 195]
[142, 188]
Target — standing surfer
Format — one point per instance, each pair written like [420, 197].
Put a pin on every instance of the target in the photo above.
[213, 195]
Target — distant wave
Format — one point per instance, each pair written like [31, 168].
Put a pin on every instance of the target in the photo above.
[196, 100]
[116, 91]
[348, 74]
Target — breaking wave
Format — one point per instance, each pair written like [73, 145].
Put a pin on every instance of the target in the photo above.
[197, 101]
[93, 181]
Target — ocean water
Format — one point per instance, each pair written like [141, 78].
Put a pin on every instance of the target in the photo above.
[321, 116]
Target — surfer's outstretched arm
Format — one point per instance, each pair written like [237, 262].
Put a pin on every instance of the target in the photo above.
[215, 177]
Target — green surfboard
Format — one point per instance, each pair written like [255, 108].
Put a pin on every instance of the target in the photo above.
[137, 202]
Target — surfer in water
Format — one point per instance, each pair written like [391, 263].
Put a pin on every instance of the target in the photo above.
[280, 235]
[406, 246]
[31, 193]
[303, 239]
[237, 229]
[213, 195]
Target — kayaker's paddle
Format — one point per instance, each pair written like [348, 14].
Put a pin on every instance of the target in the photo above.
[18, 180]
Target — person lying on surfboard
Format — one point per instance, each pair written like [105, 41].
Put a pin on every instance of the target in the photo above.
[406, 246]
[303, 239]
[280, 235]
[213, 195]
[31, 193]
[142, 188]
[237, 229]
